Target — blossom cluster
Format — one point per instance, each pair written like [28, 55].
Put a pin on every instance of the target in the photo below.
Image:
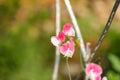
[93, 72]
[65, 39]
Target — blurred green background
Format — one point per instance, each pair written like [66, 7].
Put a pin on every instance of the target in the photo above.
[26, 26]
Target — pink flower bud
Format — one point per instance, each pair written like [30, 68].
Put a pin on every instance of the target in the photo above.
[68, 30]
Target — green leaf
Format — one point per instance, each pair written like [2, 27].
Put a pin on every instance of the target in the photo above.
[115, 62]
[112, 75]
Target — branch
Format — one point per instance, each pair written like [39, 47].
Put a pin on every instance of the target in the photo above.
[57, 55]
[107, 26]
[77, 29]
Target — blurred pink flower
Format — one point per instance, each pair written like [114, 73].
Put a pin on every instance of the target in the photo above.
[57, 40]
[67, 49]
[68, 30]
[93, 71]
[95, 68]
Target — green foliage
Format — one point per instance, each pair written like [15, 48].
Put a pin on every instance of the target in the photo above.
[113, 52]
[23, 57]
[7, 11]
[43, 15]
[113, 76]
[115, 62]
[114, 39]
[115, 73]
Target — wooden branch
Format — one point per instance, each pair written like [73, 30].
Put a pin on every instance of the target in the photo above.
[57, 55]
[107, 26]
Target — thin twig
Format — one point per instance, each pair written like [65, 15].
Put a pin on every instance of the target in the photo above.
[77, 29]
[115, 7]
[57, 55]
[68, 68]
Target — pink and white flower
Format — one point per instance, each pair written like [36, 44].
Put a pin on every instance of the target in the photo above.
[56, 40]
[68, 30]
[95, 68]
[93, 71]
[67, 49]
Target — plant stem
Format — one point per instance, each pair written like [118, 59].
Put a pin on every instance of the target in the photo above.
[78, 32]
[107, 26]
[68, 68]
[77, 29]
[57, 55]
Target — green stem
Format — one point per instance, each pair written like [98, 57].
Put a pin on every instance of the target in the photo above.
[68, 68]
[82, 68]
[81, 62]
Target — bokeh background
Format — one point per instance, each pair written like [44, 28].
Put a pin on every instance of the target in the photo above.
[26, 26]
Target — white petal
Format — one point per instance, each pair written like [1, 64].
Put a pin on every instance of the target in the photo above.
[104, 78]
[90, 76]
[69, 53]
[55, 41]
[71, 32]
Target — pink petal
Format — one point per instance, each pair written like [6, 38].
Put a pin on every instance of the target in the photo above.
[71, 46]
[98, 78]
[67, 27]
[95, 68]
[71, 32]
[71, 49]
[64, 48]
[55, 41]
[68, 30]
[67, 49]
[61, 36]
